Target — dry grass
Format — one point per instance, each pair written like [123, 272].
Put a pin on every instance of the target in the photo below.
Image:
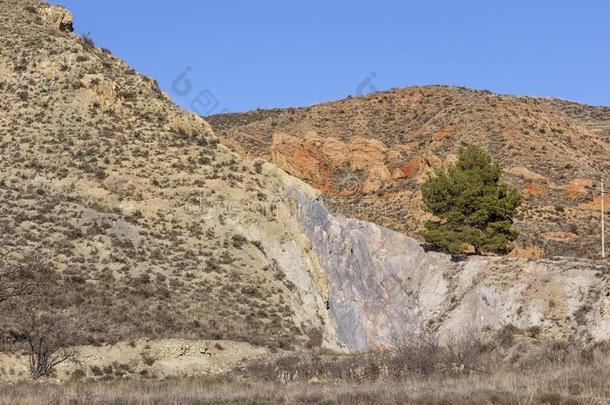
[556, 385]
[465, 372]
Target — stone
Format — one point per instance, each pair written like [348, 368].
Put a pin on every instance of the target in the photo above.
[59, 18]
[383, 285]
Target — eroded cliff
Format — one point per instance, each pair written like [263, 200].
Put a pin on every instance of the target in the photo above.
[383, 285]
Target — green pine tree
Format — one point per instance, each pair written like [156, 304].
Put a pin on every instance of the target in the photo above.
[471, 206]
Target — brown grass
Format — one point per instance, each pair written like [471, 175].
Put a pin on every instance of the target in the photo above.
[522, 370]
[559, 384]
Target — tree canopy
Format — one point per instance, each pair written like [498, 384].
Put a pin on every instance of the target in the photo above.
[471, 206]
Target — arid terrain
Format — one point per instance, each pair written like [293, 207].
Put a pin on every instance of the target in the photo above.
[272, 256]
[370, 154]
[549, 374]
[129, 197]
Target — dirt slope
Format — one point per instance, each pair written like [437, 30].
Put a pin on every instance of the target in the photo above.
[370, 154]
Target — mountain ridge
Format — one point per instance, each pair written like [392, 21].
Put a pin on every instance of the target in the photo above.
[135, 203]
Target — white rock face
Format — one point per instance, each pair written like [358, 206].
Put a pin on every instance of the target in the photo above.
[287, 246]
[382, 284]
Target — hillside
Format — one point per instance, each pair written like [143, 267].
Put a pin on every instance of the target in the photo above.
[156, 229]
[370, 154]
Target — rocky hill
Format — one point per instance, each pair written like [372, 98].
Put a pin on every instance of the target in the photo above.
[370, 154]
[163, 240]
[156, 228]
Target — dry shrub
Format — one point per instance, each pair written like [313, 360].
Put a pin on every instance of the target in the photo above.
[416, 354]
[422, 353]
[562, 383]
[49, 338]
[19, 277]
[506, 335]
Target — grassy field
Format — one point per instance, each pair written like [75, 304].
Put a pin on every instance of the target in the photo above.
[469, 372]
[558, 385]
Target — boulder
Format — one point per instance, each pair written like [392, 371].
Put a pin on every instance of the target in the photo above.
[59, 18]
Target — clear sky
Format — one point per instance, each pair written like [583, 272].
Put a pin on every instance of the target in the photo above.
[246, 54]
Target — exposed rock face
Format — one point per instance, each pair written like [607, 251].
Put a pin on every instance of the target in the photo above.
[328, 164]
[382, 284]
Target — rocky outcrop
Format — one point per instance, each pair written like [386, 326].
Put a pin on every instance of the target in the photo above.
[382, 285]
[332, 165]
[59, 18]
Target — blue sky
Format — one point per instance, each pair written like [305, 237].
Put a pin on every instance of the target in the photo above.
[246, 54]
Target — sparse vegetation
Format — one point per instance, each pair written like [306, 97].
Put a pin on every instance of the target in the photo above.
[125, 271]
[123, 229]
[472, 372]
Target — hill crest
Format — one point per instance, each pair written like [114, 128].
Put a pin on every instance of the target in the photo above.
[369, 154]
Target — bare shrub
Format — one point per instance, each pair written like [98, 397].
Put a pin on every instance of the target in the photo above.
[421, 352]
[49, 338]
[258, 166]
[87, 42]
[506, 335]
[415, 354]
[28, 288]
[466, 352]
[238, 241]
[316, 337]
